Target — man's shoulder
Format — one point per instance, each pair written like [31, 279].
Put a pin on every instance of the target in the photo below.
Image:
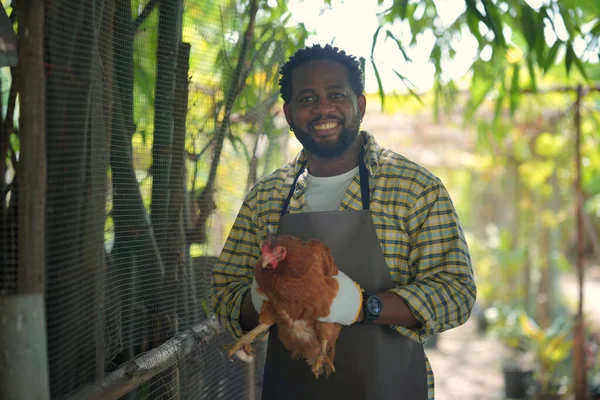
[403, 172]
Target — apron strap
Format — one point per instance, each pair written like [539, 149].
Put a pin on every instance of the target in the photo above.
[365, 194]
[286, 203]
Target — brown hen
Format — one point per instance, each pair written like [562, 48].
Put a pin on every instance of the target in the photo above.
[297, 277]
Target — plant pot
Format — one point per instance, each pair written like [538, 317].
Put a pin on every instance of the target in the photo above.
[516, 382]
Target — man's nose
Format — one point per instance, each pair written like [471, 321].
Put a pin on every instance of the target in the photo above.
[323, 107]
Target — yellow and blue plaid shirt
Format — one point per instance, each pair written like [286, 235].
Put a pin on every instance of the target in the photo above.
[417, 225]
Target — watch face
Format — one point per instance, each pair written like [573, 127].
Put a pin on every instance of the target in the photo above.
[374, 305]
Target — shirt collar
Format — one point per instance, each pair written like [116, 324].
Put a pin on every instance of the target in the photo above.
[371, 158]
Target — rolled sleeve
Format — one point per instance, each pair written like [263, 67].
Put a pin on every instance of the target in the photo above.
[234, 270]
[443, 292]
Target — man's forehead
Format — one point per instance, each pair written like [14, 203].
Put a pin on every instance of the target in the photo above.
[319, 73]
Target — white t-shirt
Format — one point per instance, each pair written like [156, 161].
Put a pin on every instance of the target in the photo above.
[326, 193]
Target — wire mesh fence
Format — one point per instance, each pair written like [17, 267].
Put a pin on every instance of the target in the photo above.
[160, 114]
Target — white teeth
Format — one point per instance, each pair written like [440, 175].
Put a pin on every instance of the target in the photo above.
[326, 126]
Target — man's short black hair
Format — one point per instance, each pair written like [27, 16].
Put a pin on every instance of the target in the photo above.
[316, 52]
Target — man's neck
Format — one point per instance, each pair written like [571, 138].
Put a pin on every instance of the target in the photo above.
[349, 159]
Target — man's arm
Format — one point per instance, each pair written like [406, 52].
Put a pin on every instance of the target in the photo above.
[233, 273]
[248, 315]
[395, 312]
[443, 293]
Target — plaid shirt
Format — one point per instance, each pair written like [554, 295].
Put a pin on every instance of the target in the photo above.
[417, 225]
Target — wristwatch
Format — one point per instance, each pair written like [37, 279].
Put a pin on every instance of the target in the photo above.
[372, 307]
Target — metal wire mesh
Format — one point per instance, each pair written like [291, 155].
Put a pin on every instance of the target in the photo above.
[206, 374]
[148, 158]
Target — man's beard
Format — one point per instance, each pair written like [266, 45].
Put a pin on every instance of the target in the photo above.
[345, 139]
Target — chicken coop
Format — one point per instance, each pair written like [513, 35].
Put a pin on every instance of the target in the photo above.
[130, 131]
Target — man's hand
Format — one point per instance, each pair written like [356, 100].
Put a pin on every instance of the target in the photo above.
[347, 304]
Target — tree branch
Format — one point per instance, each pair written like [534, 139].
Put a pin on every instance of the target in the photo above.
[234, 90]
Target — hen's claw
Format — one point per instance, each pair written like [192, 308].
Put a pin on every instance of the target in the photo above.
[245, 342]
[320, 363]
[241, 344]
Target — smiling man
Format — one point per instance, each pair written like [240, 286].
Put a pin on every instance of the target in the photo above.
[405, 270]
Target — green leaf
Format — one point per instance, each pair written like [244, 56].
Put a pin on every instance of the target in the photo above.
[493, 21]
[515, 94]
[437, 88]
[592, 7]
[381, 92]
[403, 7]
[391, 36]
[436, 57]
[500, 101]
[595, 31]
[473, 24]
[569, 58]
[408, 85]
[532, 75]
[478, 94]
[580, 67]
[551, 56]
[375, 35]
[529, 26]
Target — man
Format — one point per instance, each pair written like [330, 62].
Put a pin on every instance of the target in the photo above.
[389, 223]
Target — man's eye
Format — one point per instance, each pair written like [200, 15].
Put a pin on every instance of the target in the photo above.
[307, 99]
[338, 95]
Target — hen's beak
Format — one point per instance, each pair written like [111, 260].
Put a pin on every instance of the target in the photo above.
[268, 259]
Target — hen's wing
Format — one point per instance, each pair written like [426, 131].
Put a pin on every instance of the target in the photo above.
[324, 257]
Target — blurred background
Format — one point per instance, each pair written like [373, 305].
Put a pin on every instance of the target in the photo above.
[132, 129]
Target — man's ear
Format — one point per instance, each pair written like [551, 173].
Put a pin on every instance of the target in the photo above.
[288, 113]
[361, 102]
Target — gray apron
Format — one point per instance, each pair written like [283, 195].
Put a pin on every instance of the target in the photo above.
[372, 362]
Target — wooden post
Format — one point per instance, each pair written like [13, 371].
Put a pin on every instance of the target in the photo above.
[24, 370]
[579, 342]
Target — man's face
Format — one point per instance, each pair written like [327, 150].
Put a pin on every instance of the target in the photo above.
[324, 112]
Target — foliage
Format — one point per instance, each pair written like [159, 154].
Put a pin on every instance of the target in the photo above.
[499, 264]
[517, 43]
[215, 30]
[550, 348]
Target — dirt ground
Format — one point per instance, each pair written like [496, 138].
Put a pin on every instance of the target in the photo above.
[466, 365]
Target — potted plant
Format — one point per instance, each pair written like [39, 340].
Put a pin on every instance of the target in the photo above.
[551, 349]
[518, 366]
